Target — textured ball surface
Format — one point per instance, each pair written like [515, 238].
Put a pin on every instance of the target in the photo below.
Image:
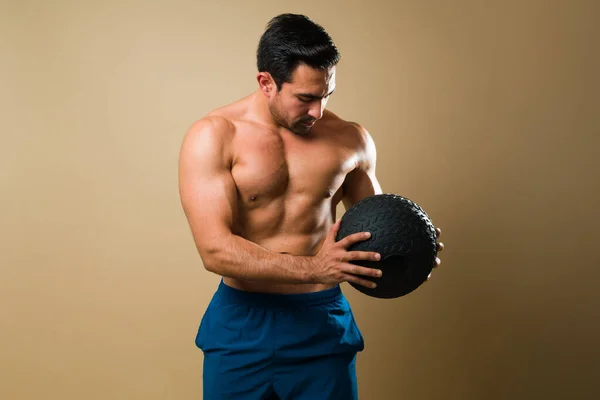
[402, 232]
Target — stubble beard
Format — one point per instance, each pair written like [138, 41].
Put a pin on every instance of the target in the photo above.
[296, 128]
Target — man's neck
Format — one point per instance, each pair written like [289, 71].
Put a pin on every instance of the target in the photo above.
[258, 106]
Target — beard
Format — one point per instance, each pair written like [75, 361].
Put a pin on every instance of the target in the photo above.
[301, 127]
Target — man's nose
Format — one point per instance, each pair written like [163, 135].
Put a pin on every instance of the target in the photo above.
[316, 109]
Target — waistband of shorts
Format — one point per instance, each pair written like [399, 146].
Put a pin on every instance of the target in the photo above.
[230, 295]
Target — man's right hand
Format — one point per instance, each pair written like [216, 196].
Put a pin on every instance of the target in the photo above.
[331, 263]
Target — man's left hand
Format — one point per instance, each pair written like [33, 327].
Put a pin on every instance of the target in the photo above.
[440, 247]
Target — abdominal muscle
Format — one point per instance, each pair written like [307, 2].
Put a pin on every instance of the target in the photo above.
[286, 240]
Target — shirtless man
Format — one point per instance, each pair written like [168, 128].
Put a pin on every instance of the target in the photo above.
[260, 180]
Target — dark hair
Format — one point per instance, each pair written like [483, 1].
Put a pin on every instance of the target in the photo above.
[290, 40]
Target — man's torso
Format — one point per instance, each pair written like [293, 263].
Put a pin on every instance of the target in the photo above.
[288, 186]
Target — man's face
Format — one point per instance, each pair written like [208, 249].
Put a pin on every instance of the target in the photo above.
[300, 103]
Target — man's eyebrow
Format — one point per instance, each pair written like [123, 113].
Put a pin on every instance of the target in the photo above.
[312, 96]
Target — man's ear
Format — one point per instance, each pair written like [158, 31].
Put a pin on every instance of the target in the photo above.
[266, 83]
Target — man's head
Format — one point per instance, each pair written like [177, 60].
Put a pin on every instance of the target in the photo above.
[296, 61]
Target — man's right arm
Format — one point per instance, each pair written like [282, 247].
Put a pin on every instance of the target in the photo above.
[209, 199]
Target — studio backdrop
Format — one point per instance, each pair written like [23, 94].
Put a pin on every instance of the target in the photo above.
[485, 113]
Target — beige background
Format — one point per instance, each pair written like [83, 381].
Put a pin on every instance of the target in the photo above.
[484, 112]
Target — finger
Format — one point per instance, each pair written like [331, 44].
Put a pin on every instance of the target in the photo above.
[437, 262]
[440, 246]
[357, 270]
[354, 238]
[362, 255]
[363, 282]
[438, 232]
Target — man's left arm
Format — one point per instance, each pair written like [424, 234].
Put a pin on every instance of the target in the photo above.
[362, 182]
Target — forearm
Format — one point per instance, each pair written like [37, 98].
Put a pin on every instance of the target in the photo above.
[236, 257]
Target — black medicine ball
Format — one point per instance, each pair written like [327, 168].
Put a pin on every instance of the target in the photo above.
[402, 233]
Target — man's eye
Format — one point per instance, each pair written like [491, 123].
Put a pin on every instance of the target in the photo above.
[304, 100]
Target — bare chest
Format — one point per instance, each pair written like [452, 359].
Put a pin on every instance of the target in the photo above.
[269, 167]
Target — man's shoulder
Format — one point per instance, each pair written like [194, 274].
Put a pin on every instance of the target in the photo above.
[212, 133]
[354, 137]
[222, 120]
[225, 119]
[211, 125]
[347, 128]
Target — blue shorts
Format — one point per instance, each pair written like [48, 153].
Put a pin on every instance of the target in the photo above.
[276, 346]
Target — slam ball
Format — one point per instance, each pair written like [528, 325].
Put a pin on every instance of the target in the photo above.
[402, 233]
